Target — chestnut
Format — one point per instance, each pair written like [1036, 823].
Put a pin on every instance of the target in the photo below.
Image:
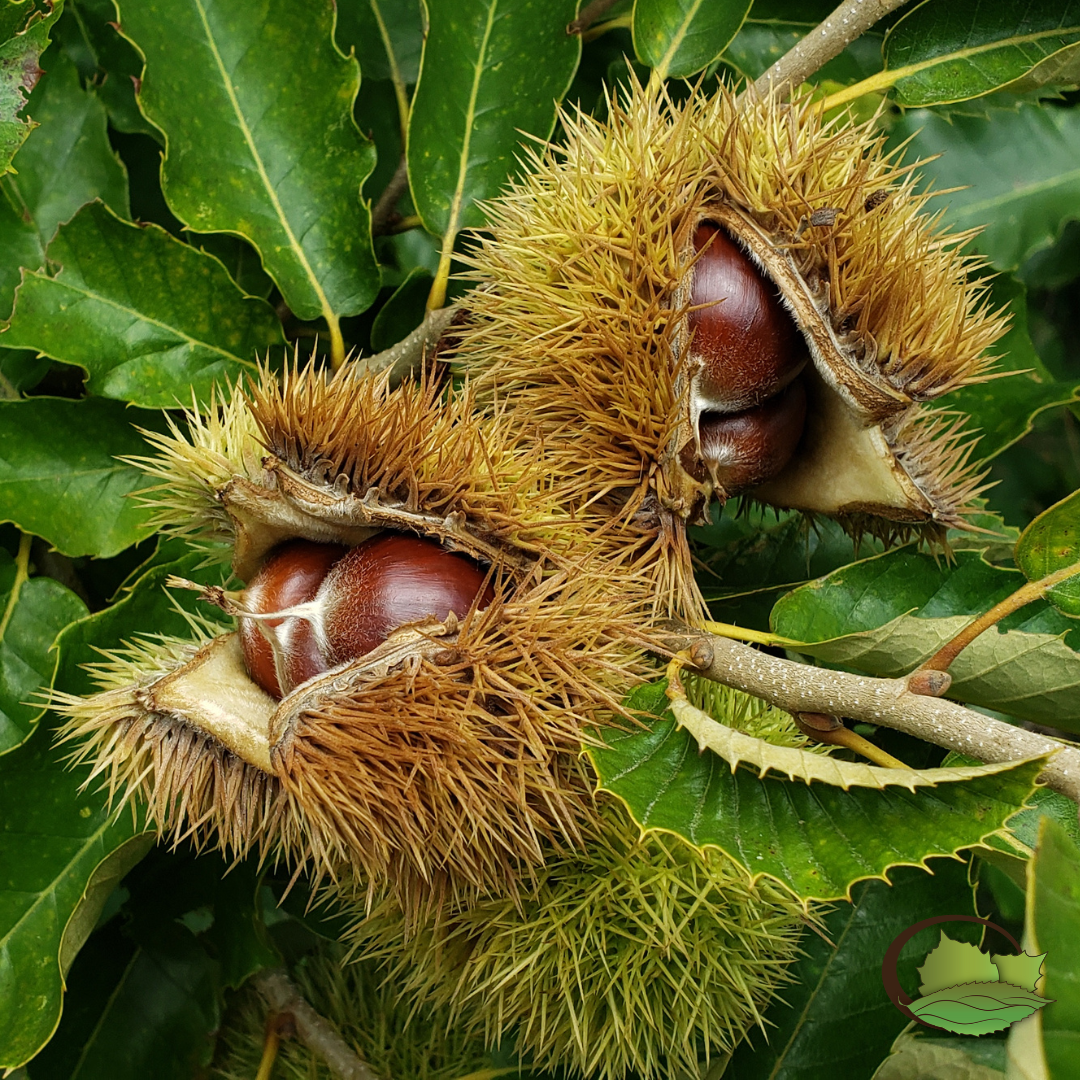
[747, 344]
[337, 603]
[744, 449]
[290, 576]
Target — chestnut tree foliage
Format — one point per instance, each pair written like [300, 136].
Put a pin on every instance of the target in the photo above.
[195, 187]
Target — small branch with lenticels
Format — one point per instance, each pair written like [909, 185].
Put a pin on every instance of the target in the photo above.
[849, 21]
[909, 704]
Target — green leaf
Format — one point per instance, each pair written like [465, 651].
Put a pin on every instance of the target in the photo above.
[1021, 199]
[59, 848]
[217, 901]
[240, 259]
[817, 840]
[977, 1008]
[953, 962]
[678, 38]
[491, 70]
[1051, 543]
[386, 34]
[1002, 409]
[107, 63]
[256, 109]
[150, 319]
[137, 1010]
[1045, 803]
[32, 612]
[836, 990]
[862, 617]
[1053, 926]
[739, 748]
[24, 34]
[20, 370]
[52, 834]
[1021, 970]
[403, 312]
[66, 162]
[59, 477]
[952, 50]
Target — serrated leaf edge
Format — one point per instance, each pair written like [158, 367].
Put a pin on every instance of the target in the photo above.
[737, 748]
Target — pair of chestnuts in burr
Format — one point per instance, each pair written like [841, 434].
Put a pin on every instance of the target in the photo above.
[747, 355]
[312, 606]
[335, 604]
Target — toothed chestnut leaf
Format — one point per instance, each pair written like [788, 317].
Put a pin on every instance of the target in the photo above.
[339, 604]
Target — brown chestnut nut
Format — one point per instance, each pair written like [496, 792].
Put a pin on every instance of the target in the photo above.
[748, 345]
[391, 580]
[339, 603]
[290, 576]
[744, 449]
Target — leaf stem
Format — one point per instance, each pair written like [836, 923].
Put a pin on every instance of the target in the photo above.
[849, 21]
[271, 1045]
[881, 81]
[1032, 590]
[740, 633]
[437, 296]
[620, 22]
[801, 688]
[337, 342]
[831, 731]
[588, 15]
[396, 78]
[383, 216]
[22, 575]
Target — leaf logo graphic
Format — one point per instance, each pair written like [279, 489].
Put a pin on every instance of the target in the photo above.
[963, 990]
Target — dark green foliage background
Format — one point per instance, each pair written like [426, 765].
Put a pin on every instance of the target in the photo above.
[190, 192]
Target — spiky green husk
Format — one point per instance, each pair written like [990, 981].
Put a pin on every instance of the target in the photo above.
[578, 321]
[639, 954]
[747, 713]
[396, 1040]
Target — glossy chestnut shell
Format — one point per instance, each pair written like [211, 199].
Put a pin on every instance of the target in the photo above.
[339, 603]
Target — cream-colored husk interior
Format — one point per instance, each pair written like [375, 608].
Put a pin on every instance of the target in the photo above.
[842, 466]
[215, 693]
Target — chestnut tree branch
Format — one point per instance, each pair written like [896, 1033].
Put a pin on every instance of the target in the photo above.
[313, 1030]
[409, 354]
[382, 216]
[800, 688]
[588, 15]
[850, 20]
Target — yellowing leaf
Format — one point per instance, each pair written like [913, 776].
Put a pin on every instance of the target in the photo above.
[953, 963]
[736, 748]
